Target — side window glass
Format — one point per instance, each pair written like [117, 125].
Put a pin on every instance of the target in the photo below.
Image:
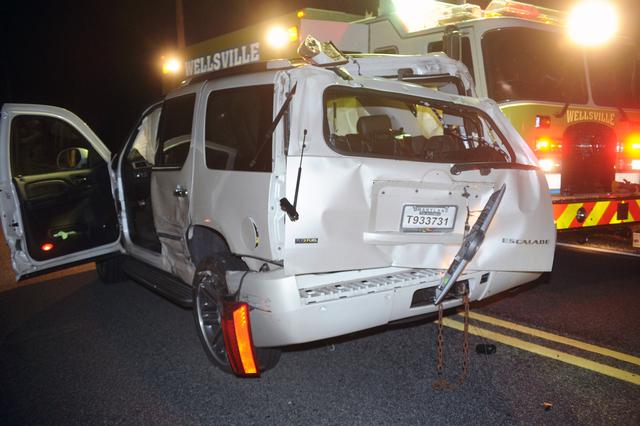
[174, 133]
[436, 46]
[236, 123]
[145, 145]
[41, 144]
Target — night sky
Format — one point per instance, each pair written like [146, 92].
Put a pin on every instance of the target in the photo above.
[100, 59]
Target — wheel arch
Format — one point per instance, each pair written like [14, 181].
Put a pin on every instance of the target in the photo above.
[204, 241]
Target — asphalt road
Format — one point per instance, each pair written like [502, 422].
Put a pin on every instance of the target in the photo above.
[73, 350]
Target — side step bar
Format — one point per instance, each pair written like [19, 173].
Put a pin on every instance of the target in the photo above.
[159, 281]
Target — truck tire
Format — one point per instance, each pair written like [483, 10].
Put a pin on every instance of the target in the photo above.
[209, 288]
[110, 270]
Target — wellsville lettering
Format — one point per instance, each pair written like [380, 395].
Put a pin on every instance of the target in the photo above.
[605, 117]
[224, 59]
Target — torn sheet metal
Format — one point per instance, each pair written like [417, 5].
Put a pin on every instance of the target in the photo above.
[350, 206]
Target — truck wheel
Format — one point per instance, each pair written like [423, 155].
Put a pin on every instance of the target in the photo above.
[209, 288]
[110, 270]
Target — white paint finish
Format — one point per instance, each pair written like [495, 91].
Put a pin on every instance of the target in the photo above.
[279, 317]
[338, 205]
[172, 214]
[171, 218]
[422, 65]
[11, 211]
[223, 199]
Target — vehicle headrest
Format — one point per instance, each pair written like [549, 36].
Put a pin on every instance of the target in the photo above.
[373, 124]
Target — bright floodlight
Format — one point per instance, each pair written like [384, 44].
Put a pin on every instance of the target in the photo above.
[418, 15]
[170, 66]
[593, 22]
[277, 37]
[547, 164]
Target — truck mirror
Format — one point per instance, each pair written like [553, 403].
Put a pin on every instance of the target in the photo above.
[452, 42]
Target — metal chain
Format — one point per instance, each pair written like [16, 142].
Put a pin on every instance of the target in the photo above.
[442, 383]
[465, 344]
[440, 341]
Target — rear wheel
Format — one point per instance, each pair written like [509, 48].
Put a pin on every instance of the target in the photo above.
[209, 289]
[110, 270]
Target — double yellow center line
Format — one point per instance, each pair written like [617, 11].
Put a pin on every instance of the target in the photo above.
[549, 352]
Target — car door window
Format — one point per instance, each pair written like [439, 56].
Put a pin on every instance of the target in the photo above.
[41, 144]
[63, 185]
[174, 133]
[236, 124]
[145, 144]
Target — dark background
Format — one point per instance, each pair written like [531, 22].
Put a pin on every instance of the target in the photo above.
[101, 59]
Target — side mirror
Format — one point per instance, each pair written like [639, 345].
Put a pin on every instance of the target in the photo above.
[452, 42]
[73, 158]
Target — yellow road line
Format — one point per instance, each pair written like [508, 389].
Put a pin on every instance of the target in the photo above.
[547, 352]
[555, 338]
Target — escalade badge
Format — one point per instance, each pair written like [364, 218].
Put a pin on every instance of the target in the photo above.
[525, 242]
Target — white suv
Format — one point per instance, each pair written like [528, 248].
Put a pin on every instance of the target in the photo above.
[287, 203]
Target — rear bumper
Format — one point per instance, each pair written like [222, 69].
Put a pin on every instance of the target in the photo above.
[289, 310]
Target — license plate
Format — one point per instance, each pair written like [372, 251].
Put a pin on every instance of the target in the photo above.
[419, 218]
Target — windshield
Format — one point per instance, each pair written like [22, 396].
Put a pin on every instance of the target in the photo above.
[364, 122]
[530, 64]
[613, 72]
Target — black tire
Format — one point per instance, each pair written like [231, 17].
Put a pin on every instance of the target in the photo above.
[110, 270]
[209, 289]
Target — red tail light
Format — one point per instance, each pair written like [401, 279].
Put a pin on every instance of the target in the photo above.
[236, 328]
[46, 247]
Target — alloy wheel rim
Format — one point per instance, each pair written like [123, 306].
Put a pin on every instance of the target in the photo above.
[208, 302]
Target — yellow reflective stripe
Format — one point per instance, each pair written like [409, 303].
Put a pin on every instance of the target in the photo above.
[631, 217]
[565, 219]
[555, 338]
[596, 214]
[547, 352]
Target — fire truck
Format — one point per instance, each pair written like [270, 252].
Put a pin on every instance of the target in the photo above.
[578, 108]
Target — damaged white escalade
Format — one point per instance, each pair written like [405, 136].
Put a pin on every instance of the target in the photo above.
[287, 202]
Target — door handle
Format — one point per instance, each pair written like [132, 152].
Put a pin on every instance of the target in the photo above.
[180, 192]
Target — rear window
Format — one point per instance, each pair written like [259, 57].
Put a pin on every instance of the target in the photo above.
[364, 122]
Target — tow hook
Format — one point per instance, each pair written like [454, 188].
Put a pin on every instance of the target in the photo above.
[470, 245]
